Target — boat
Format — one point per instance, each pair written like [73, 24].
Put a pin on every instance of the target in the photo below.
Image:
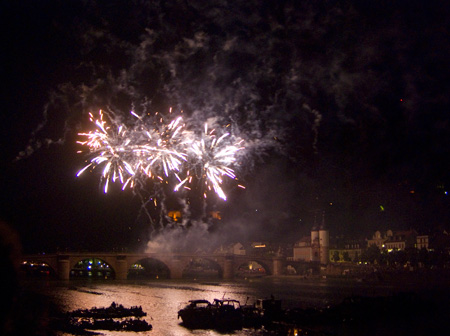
[227, 314]
[107, 318]
[113, 311]
[221, 314]
[198, 314]
[270, 310]
[111, 324]
[252, 317]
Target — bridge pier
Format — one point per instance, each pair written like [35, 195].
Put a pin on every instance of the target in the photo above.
[176, 269]
[277, 265]
[121, 267]
[228, 268]
[63, 270]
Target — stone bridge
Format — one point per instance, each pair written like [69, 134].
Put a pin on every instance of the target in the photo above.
[120, 263]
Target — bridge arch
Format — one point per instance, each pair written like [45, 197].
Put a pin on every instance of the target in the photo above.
[92, 267]
[201, 267]
[147, 268]
[290, 269]
[301, 268]
[41, 259]
[37, 268]
[263, 267]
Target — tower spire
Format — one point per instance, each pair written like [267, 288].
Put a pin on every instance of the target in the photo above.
[323, 221]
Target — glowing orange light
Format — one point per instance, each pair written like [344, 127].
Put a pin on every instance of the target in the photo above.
[175, 215]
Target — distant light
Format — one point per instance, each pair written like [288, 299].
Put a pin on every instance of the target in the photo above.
[412, 192]
[381, 208]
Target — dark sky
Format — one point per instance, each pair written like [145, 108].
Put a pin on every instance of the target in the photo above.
[343, 106]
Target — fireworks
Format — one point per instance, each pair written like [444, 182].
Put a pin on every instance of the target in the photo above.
[110, 146]
[215, 157]
[155, 149]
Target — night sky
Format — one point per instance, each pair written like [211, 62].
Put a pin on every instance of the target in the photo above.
[343, 106]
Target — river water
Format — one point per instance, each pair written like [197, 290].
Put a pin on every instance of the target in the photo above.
[161, 300]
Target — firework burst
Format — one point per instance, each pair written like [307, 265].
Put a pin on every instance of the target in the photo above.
[164, 147]
[153, 148]
[109, 146]
[215, 156]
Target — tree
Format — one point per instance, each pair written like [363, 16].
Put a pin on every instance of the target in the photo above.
[336, 256]
[372, 254]
[412, 255]
[424, 257]
[357, 258]
[346, 256]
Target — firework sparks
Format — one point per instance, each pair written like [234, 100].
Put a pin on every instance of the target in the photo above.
[164, 148]
[157, 149]
[215, 157]
[110, 146]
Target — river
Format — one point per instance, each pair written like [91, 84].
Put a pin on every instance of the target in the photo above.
[161, 300]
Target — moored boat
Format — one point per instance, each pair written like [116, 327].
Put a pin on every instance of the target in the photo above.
[197, 314]
[222, 314]
[106, 318]
[229, 314]
[113, 311]
[111, 324]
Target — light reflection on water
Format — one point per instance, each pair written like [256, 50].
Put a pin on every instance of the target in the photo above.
[161, 300]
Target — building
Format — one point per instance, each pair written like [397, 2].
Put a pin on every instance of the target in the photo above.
[379, 238]
[315, 247]
[401, 240]
[423, 241]
[234, 248]
[394, 240]
[345, 250]
[302, 249]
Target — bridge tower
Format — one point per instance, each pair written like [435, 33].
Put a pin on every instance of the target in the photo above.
[324, 242]
[315, 248]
